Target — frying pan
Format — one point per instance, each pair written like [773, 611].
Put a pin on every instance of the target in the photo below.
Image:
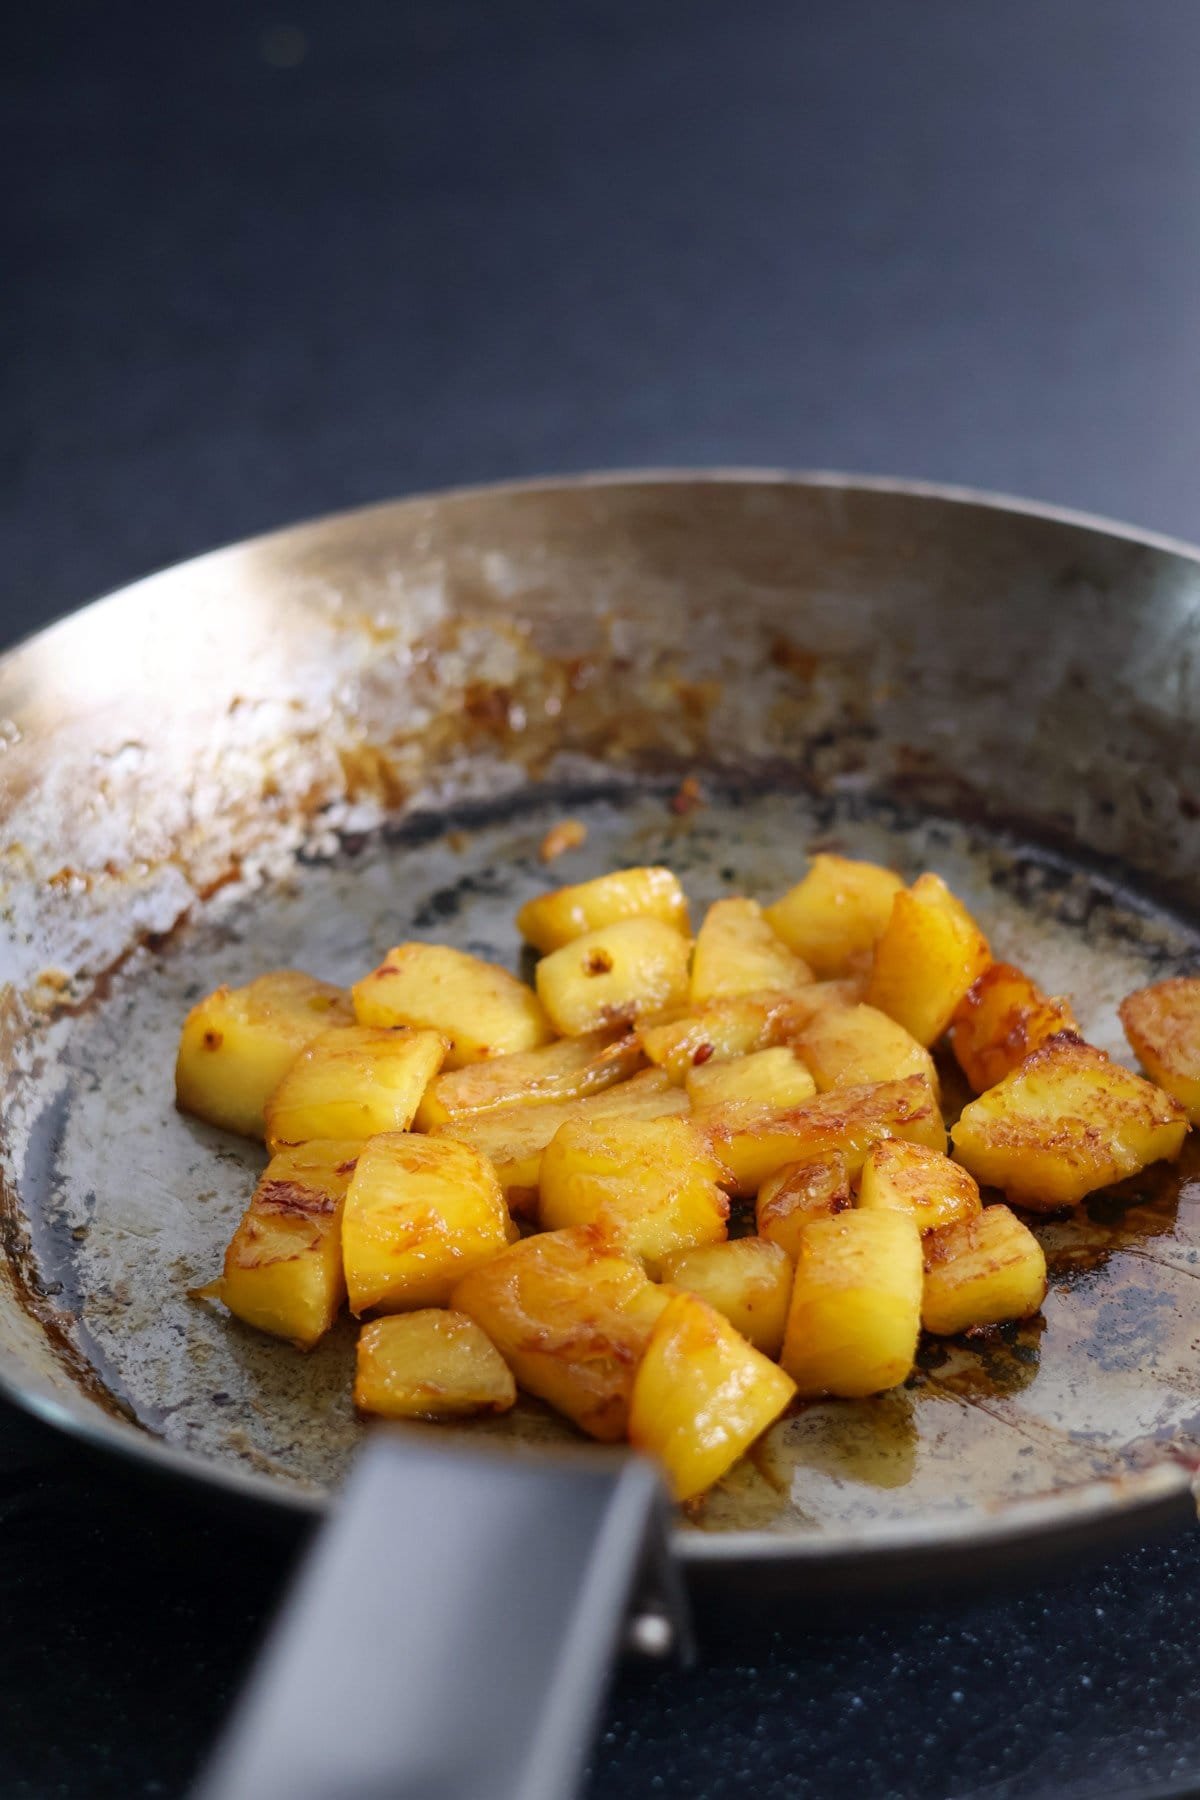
[301, 750]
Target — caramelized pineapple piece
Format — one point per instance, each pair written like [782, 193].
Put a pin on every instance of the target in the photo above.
[1000, 1019]
[1162, 1024]
[238, 1043]
[430, 1365]
[833, 917]
[513, 1138]
[479, 1008]
[856, 1304]
[753, 1142]
[614, 975]
[650, 1183]
[738, 953]
[847, 1046]
[283, 1267]
[420, 1213]
[748, 1281]
[982, 1271]
[923, 1183]
[701, 1396]
[930, 952]
[571, 1316]
[555, 919]
[568, 1069]
[1067, 1121]
[353, 1082]
[798, 1193]
[768, 1077]
[738, 1025]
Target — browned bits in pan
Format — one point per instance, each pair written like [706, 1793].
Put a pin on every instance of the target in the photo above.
[568, 834]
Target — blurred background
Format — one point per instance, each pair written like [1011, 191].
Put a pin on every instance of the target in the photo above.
[263, 262]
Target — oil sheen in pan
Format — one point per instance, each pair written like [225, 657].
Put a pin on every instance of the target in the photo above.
[138, 1202]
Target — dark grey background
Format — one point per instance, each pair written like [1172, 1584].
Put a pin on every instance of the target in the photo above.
[258, 264]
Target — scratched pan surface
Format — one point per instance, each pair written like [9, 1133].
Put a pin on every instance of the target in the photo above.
[305, 749]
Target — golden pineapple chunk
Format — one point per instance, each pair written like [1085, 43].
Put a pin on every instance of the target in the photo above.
[571, 1316]
[1068, 1120]
[769, 1077]
[430, 1365]
[753, 1142]
[650, 1183]
[479, 1008]
[747, 1280]
[614, 975]
[923, 1183]
[238, 1043]
[353, 1082]
[569, 1069]
[420, 1213]
[833, 917]
[930, 953]
[283, 1267]
[982, 1271]
[848, 1046]
[513, 1138]
[1000, 1019]
[701, 1396]
[1162, 1024]
[555, 919]
[738, 1025]
[856, 1305]
[798, 1193]
[738, 953]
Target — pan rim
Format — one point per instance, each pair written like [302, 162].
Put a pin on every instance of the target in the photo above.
[1164, 1486]
[668, 475]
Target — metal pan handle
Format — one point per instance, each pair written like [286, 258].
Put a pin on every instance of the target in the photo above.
[451, 1630]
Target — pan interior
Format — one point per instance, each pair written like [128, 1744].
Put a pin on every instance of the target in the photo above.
[132, 1204]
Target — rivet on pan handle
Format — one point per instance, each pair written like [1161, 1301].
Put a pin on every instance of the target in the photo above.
[450, 1632]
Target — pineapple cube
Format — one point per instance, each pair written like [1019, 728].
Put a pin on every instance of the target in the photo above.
[238, 1043]
[514, 1138]
[571, 1316]
[568, 1069]
[480, 1009]
[553, 920]
[753, 1142]
[798, 1193]
[1162, 1024]
[982, 1271]
[430, 1365]
[846, 1046]
[738, 953]
[613, 975]
[353, 1082]
[650, 1183]
[833, 917]
[420, 1213]
[1000, 1019]
[1068, 1120]
[856, 1305]
[770, 1077]
[701, 1396]
[923, 1183]
[738, 1025]
[930, 953]
[748, 1281]
[283, 1267]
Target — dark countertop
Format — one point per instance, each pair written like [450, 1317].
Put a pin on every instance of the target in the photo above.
[263, 264]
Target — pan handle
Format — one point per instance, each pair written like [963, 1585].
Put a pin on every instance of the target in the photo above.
[451, 1630]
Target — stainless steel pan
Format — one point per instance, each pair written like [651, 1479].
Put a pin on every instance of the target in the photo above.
[303, 749]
